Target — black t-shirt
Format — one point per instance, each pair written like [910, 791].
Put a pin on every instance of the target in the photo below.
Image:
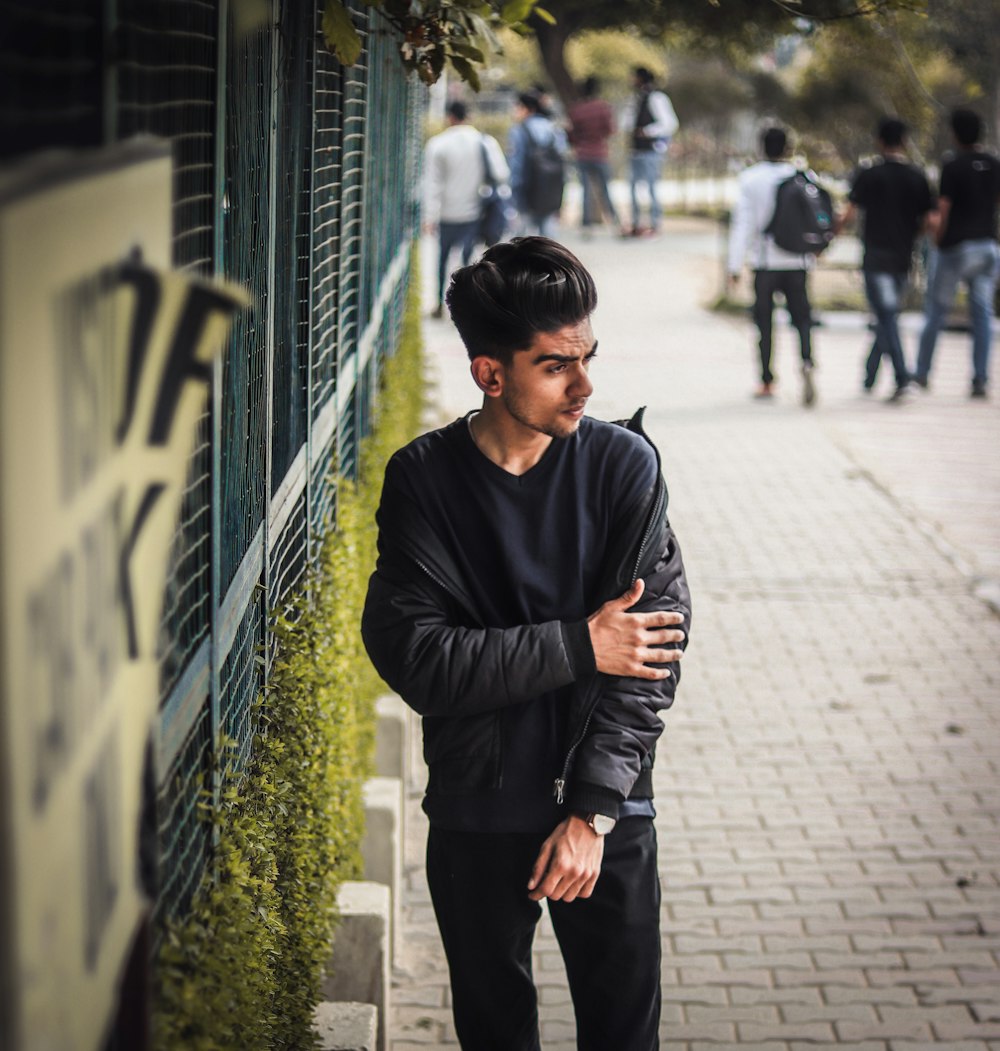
[530, 548]
[895, 197]
[971, 182]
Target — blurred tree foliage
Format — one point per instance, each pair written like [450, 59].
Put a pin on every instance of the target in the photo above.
[717, 26]
[900, 63]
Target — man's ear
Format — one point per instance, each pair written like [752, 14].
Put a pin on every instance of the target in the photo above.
[488, 374]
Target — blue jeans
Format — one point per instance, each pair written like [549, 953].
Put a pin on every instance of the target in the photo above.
[594, 177]
[885, 293]
[450, 237]
[646, 167]
[976, 263]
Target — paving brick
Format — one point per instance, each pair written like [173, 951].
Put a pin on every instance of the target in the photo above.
[812, 1032]
[919, 1045]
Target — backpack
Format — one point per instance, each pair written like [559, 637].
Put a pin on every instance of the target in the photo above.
[803, 216]
[492, 204]
[544, 176]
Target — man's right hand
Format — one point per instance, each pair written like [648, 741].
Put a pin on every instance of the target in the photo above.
[627, 643]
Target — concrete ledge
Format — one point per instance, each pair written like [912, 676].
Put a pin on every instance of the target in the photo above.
[358, 968]
[346, 1026]
[382, 845]
[391, 737]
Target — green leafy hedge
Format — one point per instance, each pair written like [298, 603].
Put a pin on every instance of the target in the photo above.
[243, 969]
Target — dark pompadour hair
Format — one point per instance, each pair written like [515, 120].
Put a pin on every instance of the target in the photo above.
[516, 290]
[967, 126]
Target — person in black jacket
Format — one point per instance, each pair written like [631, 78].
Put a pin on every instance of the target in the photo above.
[529, 601]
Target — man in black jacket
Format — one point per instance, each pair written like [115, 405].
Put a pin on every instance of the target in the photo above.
[529, 602]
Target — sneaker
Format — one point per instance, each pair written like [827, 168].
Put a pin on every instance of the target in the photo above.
[808, 387]
[898, 396]
[764, 391]
[978, 389]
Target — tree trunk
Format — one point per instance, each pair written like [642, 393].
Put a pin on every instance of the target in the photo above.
[552, 47]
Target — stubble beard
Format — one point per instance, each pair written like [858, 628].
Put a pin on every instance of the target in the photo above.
[554, 428]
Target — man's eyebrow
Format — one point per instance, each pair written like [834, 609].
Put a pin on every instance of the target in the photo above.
[564, 358]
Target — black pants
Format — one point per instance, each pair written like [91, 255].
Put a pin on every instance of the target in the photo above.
[610, 942]
[792, 283]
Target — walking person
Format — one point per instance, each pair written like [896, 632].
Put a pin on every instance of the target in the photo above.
[536, 148]
[967, 250]
[775, 270]
[530, 603]
[591, 125]
[454, 175]
[896, 200]
[653, 126]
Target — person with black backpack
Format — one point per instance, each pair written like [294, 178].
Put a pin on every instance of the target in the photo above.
[536, 148]
[757, 229]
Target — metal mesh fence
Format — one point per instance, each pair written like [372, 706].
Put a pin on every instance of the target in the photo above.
[294, 176]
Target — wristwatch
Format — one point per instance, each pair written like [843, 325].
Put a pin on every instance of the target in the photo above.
[601, 823]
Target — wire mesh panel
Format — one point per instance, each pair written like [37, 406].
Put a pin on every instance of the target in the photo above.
[288, 555]
[322, 495]
[350, 320]
[327, 171]
[241, 680]
[51, 84]
[293, 157]
[187, 608]
[246, 221]
[184, 835]
[386, 189]
[166, 86]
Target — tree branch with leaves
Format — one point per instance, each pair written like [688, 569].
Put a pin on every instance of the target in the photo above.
[456, 33]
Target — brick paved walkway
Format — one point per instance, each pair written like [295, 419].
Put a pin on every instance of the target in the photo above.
[828, 785]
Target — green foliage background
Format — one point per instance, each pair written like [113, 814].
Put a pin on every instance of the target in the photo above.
[244, 968]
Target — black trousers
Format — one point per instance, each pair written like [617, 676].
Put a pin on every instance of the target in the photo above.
[610, 942]
[792, 283]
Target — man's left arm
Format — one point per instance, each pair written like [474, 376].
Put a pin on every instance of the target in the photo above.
[624, 727]
[626, 723]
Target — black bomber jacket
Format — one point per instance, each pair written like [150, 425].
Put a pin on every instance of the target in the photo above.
[427, 640]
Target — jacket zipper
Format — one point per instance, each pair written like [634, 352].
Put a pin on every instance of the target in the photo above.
[443, 586]
[559, 786]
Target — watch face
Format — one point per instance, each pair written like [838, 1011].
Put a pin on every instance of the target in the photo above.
[602, 824]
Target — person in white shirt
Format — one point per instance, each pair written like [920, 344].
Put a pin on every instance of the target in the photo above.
[654, 126]
[775, 270]
[454, 175]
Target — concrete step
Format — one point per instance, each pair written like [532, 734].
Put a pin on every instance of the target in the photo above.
[358, 968]
[346, 1026]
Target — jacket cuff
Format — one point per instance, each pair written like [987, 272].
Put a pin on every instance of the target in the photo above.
[586, 799]
[579, 649]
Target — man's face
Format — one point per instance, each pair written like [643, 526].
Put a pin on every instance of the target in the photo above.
[546, 387]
